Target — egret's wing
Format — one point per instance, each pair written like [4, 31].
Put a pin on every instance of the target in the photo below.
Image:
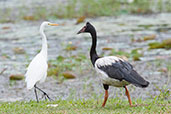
[36, 70]
[120, 69]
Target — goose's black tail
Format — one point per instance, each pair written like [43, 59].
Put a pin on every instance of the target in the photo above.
[136, 79]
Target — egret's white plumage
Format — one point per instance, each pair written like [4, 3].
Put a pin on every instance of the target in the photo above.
[37, 69]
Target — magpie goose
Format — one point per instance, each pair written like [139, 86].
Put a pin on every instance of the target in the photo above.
[114, 70]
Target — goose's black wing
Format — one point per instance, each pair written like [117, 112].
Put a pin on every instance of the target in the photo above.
[120, 69]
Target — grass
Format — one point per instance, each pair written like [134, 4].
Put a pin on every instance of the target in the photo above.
[77, 8]
[159, 104]
[91, 106]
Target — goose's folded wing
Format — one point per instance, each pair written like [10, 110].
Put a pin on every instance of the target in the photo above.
[119, 69]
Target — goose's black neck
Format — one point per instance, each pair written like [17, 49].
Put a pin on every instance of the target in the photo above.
[93, 53]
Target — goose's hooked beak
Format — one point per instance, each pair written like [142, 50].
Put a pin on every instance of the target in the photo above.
[82, 30]
[53, 24]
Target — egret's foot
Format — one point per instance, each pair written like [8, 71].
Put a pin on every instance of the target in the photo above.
[44, 93]
[46, 96]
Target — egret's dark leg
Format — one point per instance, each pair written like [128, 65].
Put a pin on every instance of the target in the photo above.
[36, 94]
[45, 94]
[127, 94]
[106, 87]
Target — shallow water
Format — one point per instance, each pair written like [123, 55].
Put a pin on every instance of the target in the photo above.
[114, 32]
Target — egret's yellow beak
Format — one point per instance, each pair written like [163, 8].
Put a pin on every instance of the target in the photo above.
[53, 24]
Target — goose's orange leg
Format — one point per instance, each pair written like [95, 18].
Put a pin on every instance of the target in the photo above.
[105, 98]
[127, 94]
[106, 87]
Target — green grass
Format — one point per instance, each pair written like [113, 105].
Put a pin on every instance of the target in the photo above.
[77, 8]
[92, 106]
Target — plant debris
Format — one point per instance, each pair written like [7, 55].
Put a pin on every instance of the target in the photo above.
[19, 50]
[17, 77]
[68, 75]
[107, 48]
[80, 19]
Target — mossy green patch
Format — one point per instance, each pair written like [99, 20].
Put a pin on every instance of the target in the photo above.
[53, 71]
[164, 44]
[70, 47]
[134, 54]
[146, 26]
[70, 63]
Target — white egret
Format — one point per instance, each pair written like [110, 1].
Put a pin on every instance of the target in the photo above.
[37, 69]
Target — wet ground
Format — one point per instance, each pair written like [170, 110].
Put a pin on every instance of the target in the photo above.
[113, 32]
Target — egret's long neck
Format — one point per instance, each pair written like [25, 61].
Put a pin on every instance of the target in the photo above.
[93, 54]
[44, 42]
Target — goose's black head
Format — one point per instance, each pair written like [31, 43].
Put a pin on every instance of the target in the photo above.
[88, 28]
